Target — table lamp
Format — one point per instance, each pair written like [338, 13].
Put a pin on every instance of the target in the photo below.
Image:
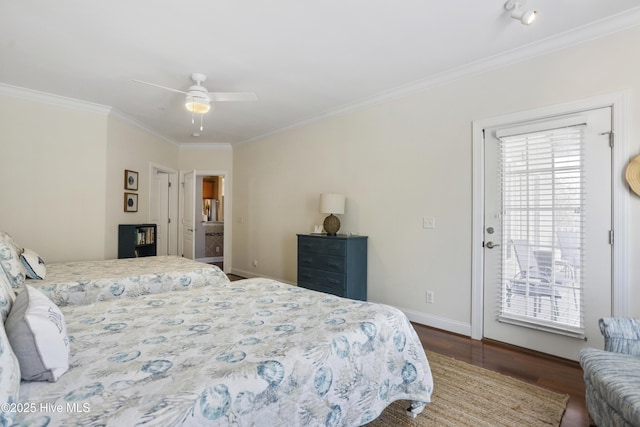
[331, 204]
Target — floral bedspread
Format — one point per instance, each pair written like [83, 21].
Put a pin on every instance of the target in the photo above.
[253, 352]
[85, 282]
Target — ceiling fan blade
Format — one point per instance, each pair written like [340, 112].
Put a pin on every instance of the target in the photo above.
[161, 87]
[233, 96]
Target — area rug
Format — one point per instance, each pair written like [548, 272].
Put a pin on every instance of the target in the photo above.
[467, 395]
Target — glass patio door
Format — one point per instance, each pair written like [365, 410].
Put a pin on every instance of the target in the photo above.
[548, 215]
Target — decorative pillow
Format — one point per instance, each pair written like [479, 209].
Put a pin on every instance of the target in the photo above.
[33, 264]
[7, 297]
[38, 336]
[9, 379]
[10, 260]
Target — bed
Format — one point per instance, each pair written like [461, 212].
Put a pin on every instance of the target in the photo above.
[250, 352]
[185, 346]
[83, 282]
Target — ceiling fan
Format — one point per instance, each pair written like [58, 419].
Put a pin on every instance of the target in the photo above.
[198, 98]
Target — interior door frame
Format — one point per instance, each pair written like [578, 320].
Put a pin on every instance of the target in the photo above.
[182, 192]
[620, 193]
[172, 228]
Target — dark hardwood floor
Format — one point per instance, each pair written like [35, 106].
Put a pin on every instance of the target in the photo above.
[559, 375]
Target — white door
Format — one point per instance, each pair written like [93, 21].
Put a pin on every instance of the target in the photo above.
[188, 217]
[160, 210]
[547, 254]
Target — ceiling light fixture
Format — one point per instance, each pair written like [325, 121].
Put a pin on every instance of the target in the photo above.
[198, 101]
[526, 17]
[197, 104]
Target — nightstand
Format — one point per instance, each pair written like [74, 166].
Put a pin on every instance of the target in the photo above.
[333, 264]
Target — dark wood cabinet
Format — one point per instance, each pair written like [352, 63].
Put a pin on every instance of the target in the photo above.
[333, 264]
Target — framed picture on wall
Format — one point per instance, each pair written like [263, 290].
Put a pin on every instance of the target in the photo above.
[130, 202]
[130, 180]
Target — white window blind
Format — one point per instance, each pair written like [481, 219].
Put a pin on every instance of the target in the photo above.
[542, 197]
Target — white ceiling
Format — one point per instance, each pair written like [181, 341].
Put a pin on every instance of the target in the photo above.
[304, 59]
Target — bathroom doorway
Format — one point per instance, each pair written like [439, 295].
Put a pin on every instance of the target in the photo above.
[209, 209]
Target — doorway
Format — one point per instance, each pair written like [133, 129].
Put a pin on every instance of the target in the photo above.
[521, 295]
[209, 206]
[205, 234]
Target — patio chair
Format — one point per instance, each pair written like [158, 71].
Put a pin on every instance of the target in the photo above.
[534, 278]
[569, 242]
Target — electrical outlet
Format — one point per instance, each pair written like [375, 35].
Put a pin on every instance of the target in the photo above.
[217, 249]
[429, 297]
[255, 262]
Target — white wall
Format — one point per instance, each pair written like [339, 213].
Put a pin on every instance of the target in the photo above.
[63, 164]
[404, 159]
[52, 169]
[129, 147]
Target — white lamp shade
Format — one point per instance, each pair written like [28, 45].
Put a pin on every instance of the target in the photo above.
[331, 203]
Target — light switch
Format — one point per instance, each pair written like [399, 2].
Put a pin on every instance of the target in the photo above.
[428, 222]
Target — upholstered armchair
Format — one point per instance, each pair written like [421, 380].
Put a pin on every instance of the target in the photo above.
[612, 376]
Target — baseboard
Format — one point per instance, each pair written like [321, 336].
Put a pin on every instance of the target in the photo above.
[438, 322]
[244, 273]
[210, 259]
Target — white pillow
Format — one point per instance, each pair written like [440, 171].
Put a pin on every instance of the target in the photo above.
[38, 336]
[33, 264]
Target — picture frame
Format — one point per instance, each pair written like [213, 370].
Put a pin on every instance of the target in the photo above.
[130, 180]
[130, 202]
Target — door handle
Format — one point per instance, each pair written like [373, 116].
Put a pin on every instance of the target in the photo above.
[189, 229]
[491, 245]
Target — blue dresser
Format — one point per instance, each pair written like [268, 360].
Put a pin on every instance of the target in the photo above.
[333, 264]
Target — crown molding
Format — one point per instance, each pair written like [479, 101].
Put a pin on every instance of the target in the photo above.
[595, 30]
[133, 122]
[222, 146]
[76, 104]
[62, 101]
[58, 100]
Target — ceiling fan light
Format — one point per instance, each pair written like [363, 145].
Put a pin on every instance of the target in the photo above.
[197, 105]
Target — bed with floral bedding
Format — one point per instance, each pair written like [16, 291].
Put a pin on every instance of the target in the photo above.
[83, 282]
[254, 352]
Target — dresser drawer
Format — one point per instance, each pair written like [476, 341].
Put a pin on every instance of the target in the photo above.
[322, 262]
[321, 279]
[322, 246]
